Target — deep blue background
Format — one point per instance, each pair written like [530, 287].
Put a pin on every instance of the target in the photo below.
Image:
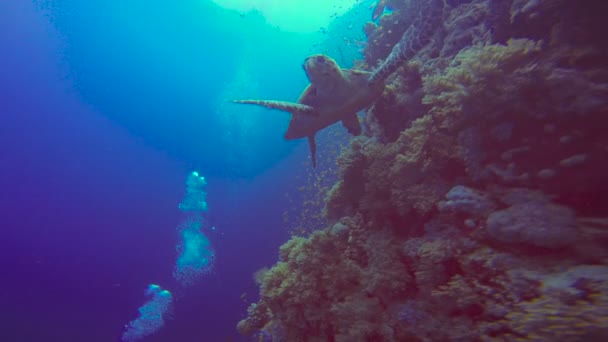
[105, 106]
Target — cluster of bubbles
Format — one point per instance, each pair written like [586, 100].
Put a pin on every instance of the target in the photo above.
[152, 314]
[196, 197]
[195, 252]
[195, 258]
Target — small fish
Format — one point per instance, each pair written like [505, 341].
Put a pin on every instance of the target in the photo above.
[378, 10]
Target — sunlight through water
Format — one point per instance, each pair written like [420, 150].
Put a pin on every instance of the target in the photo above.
[302, 16]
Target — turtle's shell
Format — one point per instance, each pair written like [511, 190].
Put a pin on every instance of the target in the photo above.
[334, 90]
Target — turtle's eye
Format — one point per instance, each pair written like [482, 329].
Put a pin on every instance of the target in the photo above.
[321, 59]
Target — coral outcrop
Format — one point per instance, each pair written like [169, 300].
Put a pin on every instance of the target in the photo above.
[474, 208]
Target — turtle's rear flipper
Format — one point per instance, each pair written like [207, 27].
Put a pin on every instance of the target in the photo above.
[313, 150]
[351, 123]
[294, 108]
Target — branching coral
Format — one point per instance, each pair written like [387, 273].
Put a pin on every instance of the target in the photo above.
[328, 282]
[401, 178]
[481, 81]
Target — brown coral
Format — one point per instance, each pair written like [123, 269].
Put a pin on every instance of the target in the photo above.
[326, 282]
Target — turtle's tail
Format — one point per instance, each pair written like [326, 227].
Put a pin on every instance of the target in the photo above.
[294, 108]
[418, 35]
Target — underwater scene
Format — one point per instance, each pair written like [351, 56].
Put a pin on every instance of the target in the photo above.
[303, 170]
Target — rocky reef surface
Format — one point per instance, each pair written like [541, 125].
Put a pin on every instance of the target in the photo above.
[474, 208]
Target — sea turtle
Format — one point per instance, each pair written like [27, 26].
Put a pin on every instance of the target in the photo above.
[336, 94]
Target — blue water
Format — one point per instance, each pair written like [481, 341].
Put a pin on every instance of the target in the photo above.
[105, 108]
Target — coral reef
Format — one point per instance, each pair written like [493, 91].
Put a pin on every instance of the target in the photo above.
[473, 209]
[337, 282]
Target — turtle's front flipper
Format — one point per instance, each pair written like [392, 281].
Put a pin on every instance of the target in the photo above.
[313, 150]
[294, 108]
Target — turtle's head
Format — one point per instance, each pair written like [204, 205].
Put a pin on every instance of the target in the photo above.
[320, 68]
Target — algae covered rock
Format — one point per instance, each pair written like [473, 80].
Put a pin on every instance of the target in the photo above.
[537, 223]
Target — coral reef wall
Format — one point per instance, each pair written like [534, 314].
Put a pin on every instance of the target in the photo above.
[474, 208]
